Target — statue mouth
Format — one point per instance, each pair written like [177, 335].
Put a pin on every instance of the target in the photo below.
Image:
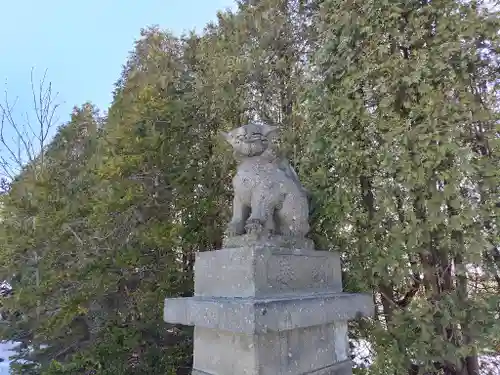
[253, 140]
[255, 137]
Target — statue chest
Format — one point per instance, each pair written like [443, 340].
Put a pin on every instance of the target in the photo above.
[249, 177]
[244, 181]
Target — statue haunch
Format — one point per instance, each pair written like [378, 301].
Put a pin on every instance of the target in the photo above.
[268, 197]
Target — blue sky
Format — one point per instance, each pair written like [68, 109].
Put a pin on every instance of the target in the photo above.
[83, 44]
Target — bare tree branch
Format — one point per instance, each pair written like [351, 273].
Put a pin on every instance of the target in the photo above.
[21, 144]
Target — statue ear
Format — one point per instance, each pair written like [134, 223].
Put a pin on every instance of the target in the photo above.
[225, 135]
[267, 130]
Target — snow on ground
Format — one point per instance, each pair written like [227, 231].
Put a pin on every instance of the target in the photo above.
[361, 353]
[362, 358]
[489, 364]
[6, 350]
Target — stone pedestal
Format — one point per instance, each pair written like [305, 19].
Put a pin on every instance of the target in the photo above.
[261, 308]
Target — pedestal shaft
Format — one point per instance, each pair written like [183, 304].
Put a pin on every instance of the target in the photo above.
[268, 310]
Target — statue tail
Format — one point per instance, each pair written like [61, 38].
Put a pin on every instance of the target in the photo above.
[311, 202]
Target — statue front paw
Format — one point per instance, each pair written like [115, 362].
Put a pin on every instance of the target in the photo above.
[235, 228]
[254, 226]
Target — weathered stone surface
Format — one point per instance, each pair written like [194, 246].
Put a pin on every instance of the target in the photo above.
[264, 270]
[343, 368]
[265, 307]
[268, 196]
[260, 315]
[311, 350]
[269, 240]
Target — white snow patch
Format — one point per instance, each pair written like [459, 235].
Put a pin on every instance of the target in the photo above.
[362, 357]
[6, 351]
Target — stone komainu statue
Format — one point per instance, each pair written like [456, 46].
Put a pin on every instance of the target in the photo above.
[268, 196]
